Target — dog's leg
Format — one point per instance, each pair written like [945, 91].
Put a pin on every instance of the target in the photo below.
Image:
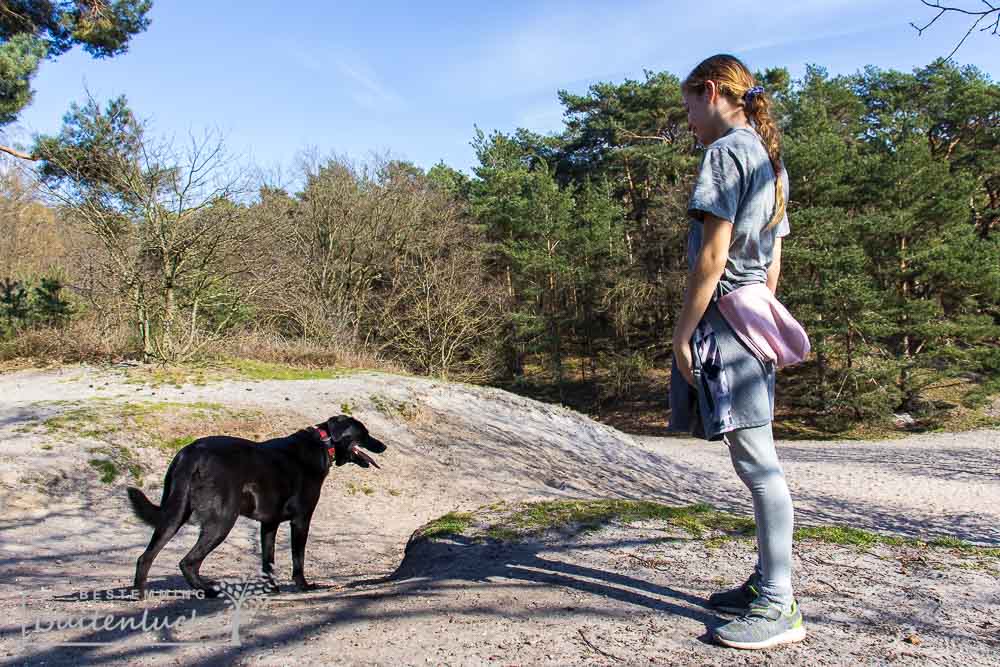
[300, 533]
[213, 533]
[268, 531]
[174, 517]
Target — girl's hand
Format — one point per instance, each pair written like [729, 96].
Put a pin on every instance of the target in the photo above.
[685, 364]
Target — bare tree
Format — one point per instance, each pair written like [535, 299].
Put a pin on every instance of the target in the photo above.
[176, 241]
[440, 315]
[991, 14]
[373, 257]
[350, 224]
[31, 244]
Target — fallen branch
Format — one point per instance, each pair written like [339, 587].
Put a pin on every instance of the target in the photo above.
[645, 562]
[594, 648]
[832, 587]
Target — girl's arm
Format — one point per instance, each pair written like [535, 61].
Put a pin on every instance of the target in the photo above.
[775, 268]
[709, 267]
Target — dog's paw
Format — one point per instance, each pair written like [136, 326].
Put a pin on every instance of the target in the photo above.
[305, 586]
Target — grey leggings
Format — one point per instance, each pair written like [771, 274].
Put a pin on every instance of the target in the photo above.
[756, 462]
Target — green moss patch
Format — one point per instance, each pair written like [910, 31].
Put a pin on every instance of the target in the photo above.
[520, 521]
[114, 459]
[452, 523]
[263, 370]
[232, 369]
[107, 469]
[394, 409]
[163, 424]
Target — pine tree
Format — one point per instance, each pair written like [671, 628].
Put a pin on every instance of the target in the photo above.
[14, 301]
[33, 30]
[48, 305]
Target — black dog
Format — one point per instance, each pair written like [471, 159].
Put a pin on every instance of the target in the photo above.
[215, 479]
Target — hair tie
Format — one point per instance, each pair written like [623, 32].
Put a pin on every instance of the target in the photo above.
[752, 93]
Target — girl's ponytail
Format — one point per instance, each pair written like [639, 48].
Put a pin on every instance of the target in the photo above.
[758, 109]
[736, 82]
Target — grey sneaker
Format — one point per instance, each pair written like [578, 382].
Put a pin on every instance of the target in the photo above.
[736, 600]
[763, 627]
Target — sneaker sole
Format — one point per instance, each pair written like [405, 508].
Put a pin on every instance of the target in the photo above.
[787, 637]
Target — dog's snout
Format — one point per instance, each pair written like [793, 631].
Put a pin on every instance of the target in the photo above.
[374, 445]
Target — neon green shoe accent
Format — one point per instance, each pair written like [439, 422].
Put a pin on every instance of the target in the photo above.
[763, 627]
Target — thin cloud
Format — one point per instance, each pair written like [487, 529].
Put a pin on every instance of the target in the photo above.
[306, 60]
[553, 50]
[368, 92]
[362, 85]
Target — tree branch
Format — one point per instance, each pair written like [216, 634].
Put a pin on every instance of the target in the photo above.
[17, 153]
[991, 11]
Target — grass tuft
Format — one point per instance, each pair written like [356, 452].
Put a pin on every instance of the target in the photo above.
[178, 443]
[847, 535]
[504, 522]
[519, 521]
[166, 425]
[108, 470]
[200, 374]
[408, 412]
[452, 523]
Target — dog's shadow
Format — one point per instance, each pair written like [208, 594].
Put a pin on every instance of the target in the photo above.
[433, 568]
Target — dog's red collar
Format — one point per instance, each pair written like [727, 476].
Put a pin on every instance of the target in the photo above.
[324, 437]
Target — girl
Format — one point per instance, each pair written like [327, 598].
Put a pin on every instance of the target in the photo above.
[737, 211]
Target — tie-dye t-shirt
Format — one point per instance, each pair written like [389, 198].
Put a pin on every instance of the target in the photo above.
[736, 183]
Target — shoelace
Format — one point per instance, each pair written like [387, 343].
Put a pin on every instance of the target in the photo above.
[757, 612]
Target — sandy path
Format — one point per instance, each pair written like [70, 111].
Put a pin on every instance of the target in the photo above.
[468, 446]
[924, 486]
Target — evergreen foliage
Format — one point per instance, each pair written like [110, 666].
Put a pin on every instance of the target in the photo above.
[22, 305]
[33, 30]
[571, 248]
[893, 264]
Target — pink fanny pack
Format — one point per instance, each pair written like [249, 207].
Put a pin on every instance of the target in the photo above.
[764, 325]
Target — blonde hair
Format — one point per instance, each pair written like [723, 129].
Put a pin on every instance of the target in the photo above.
[734, 80]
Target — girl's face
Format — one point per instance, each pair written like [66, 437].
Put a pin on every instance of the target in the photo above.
[700, 116]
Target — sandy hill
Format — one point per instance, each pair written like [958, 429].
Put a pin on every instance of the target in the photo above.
[542, 556]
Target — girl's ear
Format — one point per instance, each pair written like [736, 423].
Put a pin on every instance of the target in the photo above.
[711, 91]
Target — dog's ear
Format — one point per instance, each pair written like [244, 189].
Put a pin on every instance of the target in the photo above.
[339, 425]
[336, 426]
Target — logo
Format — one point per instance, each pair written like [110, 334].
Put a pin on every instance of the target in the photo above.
[177, 617]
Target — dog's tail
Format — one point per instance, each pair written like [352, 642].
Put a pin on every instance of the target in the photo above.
[144, 507]
[174, 498]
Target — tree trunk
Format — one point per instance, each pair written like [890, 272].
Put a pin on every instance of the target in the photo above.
[905, 289]
[850, 347]
[142, 321]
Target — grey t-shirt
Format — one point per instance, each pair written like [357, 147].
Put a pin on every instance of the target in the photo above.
[736, 183]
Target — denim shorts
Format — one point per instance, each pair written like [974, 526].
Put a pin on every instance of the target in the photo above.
[733, 387]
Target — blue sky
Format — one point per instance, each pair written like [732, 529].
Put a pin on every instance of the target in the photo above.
[413, 79]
